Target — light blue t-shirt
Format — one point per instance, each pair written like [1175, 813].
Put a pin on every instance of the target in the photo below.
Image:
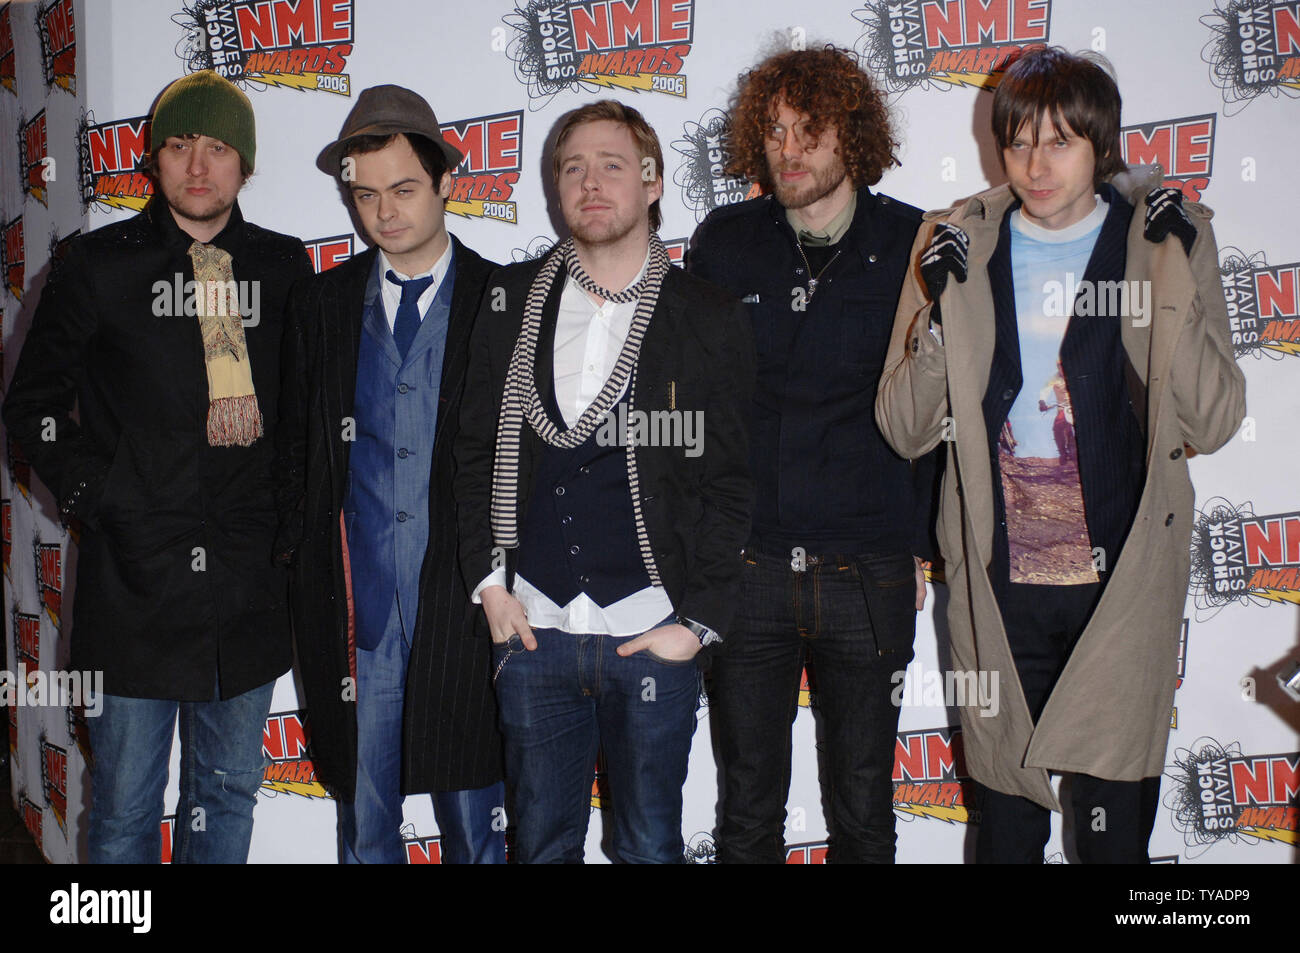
[1047, 531]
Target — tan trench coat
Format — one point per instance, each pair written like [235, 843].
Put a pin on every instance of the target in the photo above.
[1108, 715]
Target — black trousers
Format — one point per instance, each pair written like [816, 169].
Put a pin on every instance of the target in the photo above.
[853, 619]
[1112, 819]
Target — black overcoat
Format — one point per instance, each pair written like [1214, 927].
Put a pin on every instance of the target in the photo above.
[175, 581]
[450, 737]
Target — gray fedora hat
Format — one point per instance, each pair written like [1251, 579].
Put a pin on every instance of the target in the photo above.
[382, 111]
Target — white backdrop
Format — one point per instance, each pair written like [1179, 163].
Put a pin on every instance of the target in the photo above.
[1209, 92]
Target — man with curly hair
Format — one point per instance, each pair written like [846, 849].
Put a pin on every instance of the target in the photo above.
[829, 574]
[1066, 548]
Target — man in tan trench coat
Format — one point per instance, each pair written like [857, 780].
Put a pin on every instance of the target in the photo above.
[1071, 407]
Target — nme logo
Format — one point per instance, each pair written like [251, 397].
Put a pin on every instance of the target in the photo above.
[32, 150]
[482, 185]
[168, 837]
[813, 853]
[58, 35]
[423, 850]
[27, 639]
[1223, 792]
[54, 781]
[33, 815]
[49, 578]
[325, 253]
[676, 248]
[1263, 304]
[110, 163]
[1184, 148]
[8, 78]
[1255, 50]
[300, 44]
[11, 259]
[638, 45]
[1240, 557]
[946, 43]
[285, 741]
[930, 778]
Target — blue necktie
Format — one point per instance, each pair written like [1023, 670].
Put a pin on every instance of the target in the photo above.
[407, 321]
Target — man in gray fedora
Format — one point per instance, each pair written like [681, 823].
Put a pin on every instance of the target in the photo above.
[394, 661]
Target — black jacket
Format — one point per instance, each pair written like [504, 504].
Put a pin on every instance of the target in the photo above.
[175, 581]
[450, 738]
[825, 478]
[697, 354]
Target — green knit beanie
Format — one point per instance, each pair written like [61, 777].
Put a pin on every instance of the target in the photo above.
[209, 105]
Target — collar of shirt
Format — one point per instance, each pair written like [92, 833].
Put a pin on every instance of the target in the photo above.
[392, 294]
[834, 229]
[1059, 236]
[588, 340]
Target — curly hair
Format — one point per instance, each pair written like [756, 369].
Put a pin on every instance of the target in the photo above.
[834, 91]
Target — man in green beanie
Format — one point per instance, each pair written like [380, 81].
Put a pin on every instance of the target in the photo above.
[165, 330]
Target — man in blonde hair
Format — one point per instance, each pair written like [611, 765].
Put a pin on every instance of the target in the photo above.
[603, 494]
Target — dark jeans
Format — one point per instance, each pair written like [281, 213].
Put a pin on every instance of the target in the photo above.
[854, 617]
[561, 702]
[1112, 819]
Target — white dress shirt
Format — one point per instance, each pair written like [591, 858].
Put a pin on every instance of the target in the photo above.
[588, 340]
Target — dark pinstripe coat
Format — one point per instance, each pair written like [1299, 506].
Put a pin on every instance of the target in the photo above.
[450, 737]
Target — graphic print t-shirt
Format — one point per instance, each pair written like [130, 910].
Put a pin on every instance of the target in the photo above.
[1047, 529]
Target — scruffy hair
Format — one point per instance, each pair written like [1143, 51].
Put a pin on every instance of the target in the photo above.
[1074, 90]
[643, 134]
[834, 91]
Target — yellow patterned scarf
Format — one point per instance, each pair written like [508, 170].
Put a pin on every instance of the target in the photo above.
[234, 419]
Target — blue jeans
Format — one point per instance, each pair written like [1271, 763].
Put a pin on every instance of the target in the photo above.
[562, 702]
[853, 620]
[370, 826]
[221, 770]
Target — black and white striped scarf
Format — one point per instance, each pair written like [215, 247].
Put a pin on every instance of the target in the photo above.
[521, 401]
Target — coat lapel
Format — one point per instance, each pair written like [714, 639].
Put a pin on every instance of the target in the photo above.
[373, 320]
[341, 313]
[662, 331]
[469, 275]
